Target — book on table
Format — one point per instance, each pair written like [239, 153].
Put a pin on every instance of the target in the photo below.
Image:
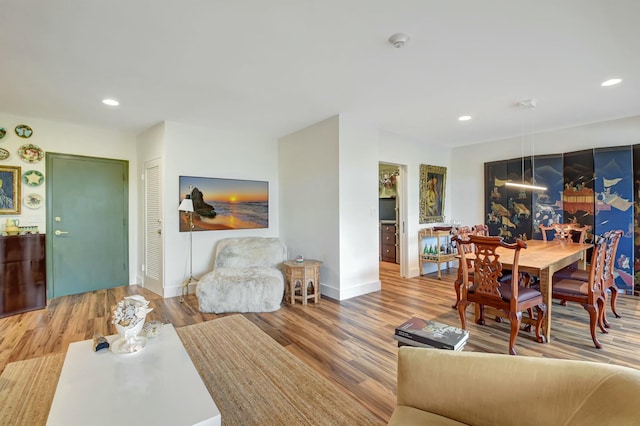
[403, 341]
[431, 333]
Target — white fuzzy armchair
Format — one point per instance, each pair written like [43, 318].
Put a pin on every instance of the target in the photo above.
[246, 276]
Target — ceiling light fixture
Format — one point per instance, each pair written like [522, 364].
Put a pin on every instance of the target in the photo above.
[611, 82]
[110, 102]
[399, 40]
[464, 118]
[529, 104]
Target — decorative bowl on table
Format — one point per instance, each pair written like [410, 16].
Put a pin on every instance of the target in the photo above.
[129, 317]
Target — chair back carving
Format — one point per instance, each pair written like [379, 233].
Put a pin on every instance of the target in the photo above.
[487, 268]
[481, 229]
[613, 238]
[565, 232]
[480, 255]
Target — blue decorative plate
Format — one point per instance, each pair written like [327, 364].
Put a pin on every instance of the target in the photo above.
[24, 131]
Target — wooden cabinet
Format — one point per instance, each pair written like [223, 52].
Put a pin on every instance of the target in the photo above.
[23, 284]
[435, 247]
[388, 242]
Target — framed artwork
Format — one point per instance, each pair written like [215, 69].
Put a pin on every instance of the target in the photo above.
[9, 189]
[432, 186]
[223, 204]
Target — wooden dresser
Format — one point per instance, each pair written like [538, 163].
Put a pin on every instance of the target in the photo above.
[23, 285]
[388, 242]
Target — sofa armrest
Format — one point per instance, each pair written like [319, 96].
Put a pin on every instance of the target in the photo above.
[479, 388]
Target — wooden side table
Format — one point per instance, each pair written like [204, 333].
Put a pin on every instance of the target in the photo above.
[302, 281]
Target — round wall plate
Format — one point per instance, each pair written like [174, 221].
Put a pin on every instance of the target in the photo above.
[24, 131]
[33, 201]
[32, 178]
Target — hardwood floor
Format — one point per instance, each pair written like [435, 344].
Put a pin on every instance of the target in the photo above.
[349, 342]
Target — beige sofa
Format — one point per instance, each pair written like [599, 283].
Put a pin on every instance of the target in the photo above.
[438, 387]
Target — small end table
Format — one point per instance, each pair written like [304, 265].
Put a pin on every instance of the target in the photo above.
[302, 280]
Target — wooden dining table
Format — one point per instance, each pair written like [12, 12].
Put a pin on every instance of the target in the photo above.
[542, 259]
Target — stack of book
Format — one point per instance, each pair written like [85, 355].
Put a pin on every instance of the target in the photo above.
[431, 334]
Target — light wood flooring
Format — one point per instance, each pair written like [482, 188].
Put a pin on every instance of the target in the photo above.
[349, 342]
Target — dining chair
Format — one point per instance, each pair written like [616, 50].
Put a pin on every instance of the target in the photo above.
[510, 299]
[565, 232]
[573, 273]
[590, 294]
[463, 233]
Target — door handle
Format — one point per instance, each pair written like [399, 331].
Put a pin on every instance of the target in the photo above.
[59, 232]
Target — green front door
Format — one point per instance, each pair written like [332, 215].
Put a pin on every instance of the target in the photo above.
[87, 227]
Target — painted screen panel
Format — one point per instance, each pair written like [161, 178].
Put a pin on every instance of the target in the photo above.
[636, 221]
[547, 205]
[577, 196]
[496, 195]
[614, 206]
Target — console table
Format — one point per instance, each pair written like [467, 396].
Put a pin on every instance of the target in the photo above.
[157, 386]
[23, 285]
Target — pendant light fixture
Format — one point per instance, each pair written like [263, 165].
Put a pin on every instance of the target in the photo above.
[528, 104]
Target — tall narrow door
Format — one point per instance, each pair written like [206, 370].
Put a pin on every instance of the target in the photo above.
[87, 226]
[153, 228]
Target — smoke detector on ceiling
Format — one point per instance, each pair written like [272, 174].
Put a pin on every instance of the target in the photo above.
[399, 40]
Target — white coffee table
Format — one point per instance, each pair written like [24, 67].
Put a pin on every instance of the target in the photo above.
[156, 386]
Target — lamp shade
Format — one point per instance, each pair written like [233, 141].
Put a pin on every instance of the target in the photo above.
[186, 205]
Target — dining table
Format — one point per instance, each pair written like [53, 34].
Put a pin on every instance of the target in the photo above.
[542, 259]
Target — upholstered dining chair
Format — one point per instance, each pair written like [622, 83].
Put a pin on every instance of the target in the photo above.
[589, 294]
[463, 233]
[573, 273]
[510, 299]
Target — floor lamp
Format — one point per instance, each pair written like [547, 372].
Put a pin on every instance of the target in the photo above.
[187, 206]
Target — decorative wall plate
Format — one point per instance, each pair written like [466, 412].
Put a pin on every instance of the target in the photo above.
[4, 154]
[33, 201]
[3, 132]
[31, 153]
[32, 178]
[24, 131]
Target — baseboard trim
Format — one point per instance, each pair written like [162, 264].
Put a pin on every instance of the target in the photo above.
[343, 294]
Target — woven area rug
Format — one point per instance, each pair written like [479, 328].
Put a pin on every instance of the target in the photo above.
[252, 379]
[27, 388]
[255, 381]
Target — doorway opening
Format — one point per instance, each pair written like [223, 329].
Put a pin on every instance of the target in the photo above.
[392, 215]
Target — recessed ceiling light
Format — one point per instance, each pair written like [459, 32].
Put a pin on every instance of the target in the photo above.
[611, 82]
[464, 118]
[110, 102]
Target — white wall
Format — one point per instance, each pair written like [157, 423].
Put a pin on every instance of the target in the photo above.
[68, 138]
[358, 205]
[309, 202]
[467, 169]
[205, 152]
[400, 150]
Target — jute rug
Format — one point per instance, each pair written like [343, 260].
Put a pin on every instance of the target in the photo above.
[27, 388]
[252, 379]
[255, 381]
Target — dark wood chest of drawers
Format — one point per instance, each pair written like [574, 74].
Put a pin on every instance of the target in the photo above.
[388, 242]
[23, 285]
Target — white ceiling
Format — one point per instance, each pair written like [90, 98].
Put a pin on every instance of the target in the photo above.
[274, 67]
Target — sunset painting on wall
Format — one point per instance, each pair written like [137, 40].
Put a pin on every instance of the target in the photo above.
[225, 203]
